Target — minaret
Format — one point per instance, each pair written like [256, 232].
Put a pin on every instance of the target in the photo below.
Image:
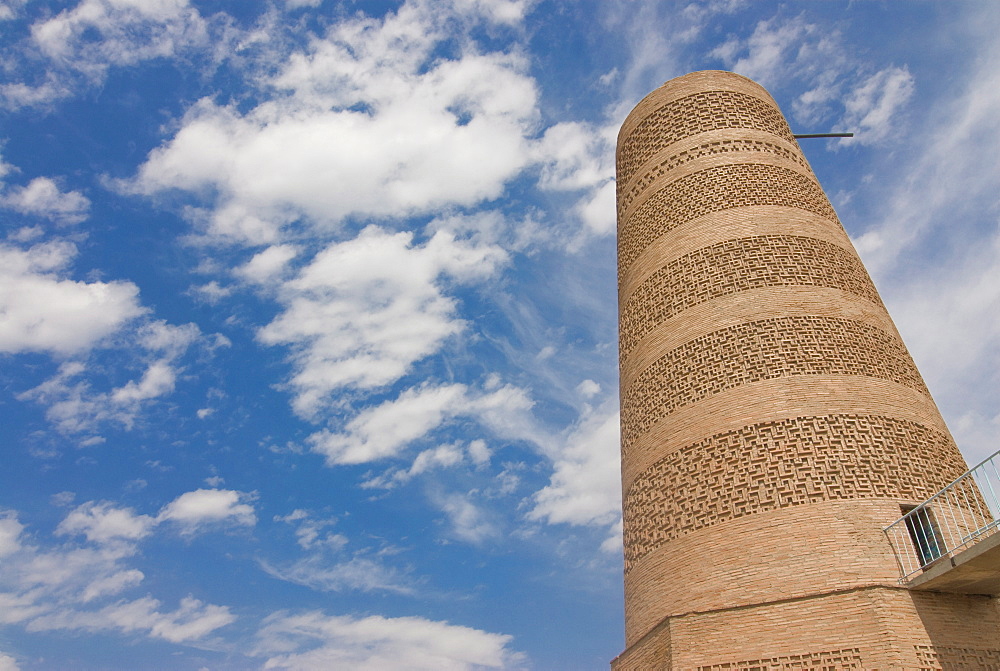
[773, 422]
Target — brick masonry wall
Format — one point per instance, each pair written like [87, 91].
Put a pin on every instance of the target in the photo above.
[772, 419]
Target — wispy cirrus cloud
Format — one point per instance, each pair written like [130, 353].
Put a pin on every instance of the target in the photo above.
[42, 197]
[82, 586]
[843, 90]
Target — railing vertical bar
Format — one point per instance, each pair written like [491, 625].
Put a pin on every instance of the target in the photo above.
[967, 508]
[980, 505]
[995, 508]
[954, 529]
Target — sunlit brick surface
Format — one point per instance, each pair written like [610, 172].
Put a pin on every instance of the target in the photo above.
[772, 420]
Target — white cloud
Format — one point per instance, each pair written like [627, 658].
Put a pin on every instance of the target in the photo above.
[771, 50]
[267, 264]
[314, 640]
[45, 312]
[585, 488]
[8, 663]
[588, 388]
[841, 90]
[102, 522]
[62, 587]
[442, 456]
[366, 121]
[41, 197]
[575, 156]
[597, 210]
[158, 380]
[479, 452]
[873, 105]
[363, 311]
[195, 510]
[191, 621]
[329, 573]
[10, 531]
[98, 33]
[469, 522]
[383, 431]
[74, 407]
[81, 43]
[327, 564]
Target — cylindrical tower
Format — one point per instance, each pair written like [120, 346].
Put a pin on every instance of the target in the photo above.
[772, 420]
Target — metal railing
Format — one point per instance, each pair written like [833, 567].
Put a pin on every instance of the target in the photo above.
[959, 516]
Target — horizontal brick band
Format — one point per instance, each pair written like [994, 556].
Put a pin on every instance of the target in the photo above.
[702, 151]
[830, 659]
[713, 190]
[693, 114]
[734, 266]
[761, 350]
[778, 464]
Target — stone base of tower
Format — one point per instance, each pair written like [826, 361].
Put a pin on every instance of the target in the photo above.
[866, 628]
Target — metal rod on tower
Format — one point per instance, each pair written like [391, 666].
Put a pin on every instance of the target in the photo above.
[808, 135]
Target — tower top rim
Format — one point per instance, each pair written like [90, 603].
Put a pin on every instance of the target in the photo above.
[688, 84]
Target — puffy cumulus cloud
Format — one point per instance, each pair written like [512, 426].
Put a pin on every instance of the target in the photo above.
[42, 197]
[585, 488]
[80, 587]
[314, 640]
[363, 311]
[102, 522]
[7, 663]
[267, 264]
[204, 507]
[44, 311]
[580, 157]
[383, 431]
[368, 120]
[574, 155]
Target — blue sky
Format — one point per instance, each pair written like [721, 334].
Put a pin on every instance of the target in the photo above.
[307, 308]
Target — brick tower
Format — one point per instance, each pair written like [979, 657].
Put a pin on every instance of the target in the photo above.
[773, 422]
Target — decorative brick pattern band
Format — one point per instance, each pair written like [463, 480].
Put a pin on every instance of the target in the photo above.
[703, 151]
[697, 113]
[778, 464]
[734, 266]
[714, 190]
[832, 660]
[762, 350]
[937, 658]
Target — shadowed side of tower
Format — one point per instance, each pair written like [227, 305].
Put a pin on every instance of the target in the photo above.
[773, 422]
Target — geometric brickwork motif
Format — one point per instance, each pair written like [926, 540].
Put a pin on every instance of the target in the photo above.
[739, 265]
[784, 463]
[762, 350]
[834, 660]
